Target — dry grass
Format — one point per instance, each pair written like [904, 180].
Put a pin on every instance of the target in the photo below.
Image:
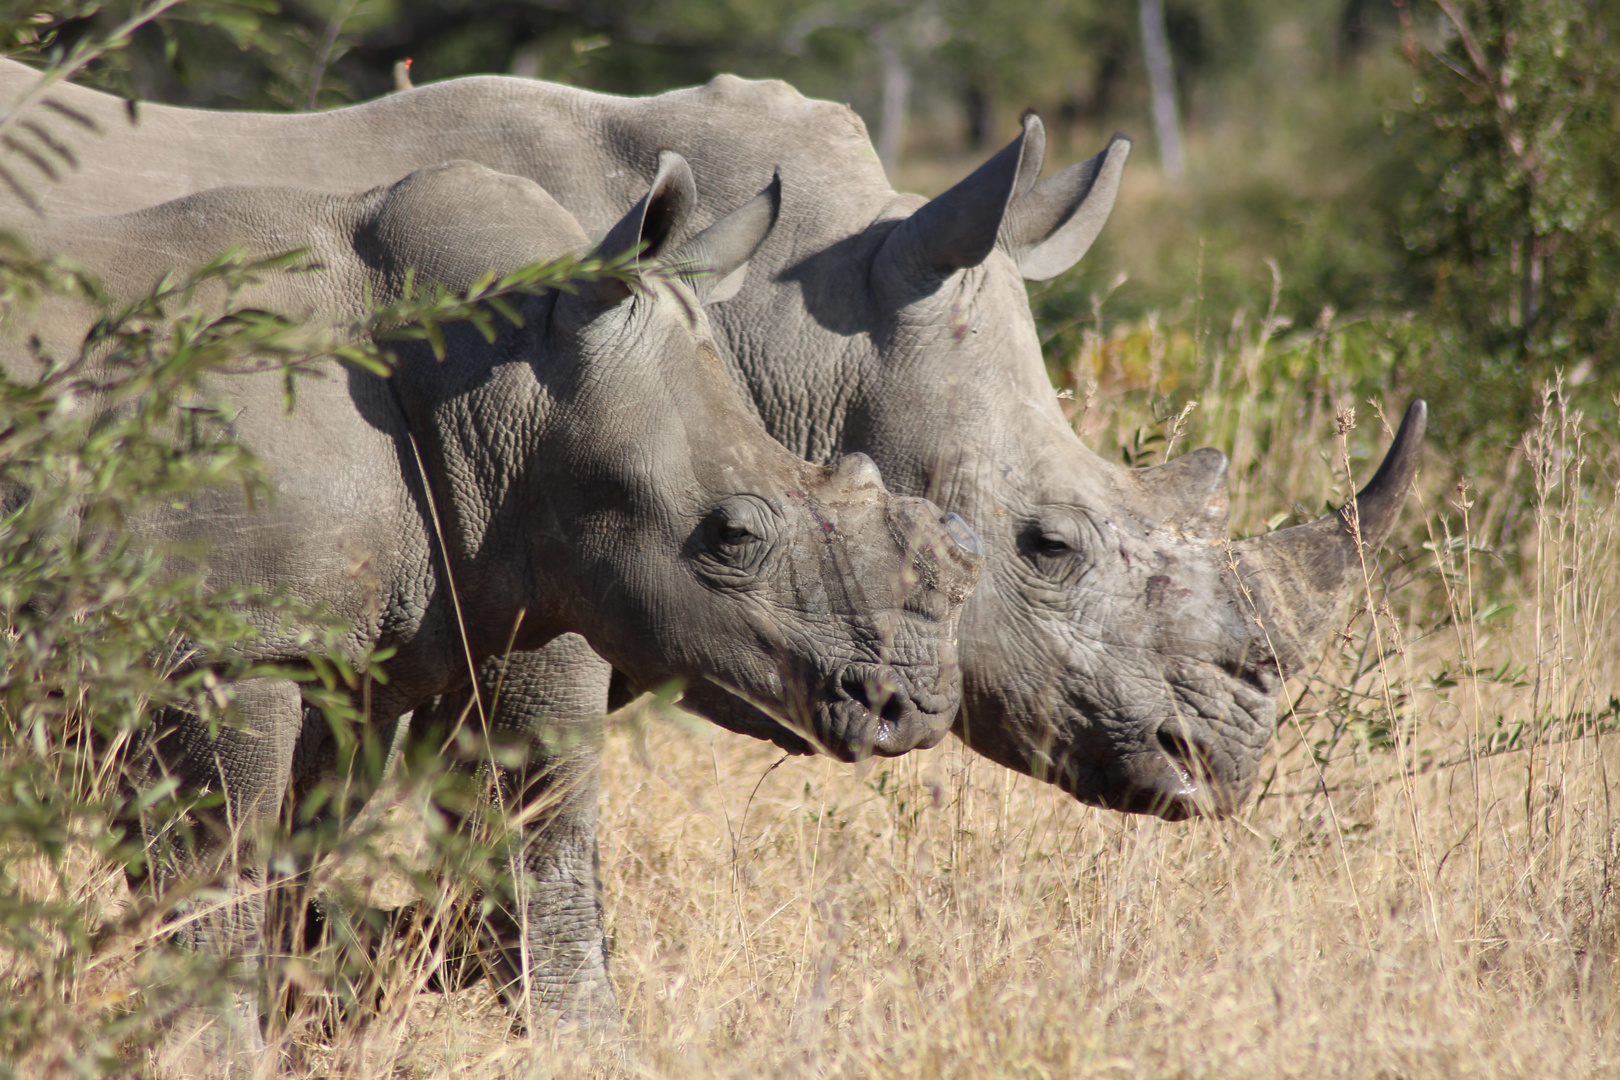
[1404, 899]
[957, 920]
[1425, 886]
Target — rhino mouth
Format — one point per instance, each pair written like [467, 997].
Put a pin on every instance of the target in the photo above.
[1197, 758]
[873, 709]
[1155, 783]
[859, 711]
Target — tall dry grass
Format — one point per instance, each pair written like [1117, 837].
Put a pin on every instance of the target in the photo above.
[1423, 886]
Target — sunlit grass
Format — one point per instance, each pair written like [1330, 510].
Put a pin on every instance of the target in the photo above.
[1424, 885]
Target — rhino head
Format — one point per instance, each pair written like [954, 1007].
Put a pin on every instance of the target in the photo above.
[1119, 645]
[1165, 644]
[799, 603]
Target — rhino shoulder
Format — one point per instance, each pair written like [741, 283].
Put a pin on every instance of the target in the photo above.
[751, 91]
[453, 222]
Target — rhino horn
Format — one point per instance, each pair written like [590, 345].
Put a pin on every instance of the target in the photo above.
[1189, 492]
[715, 261]
[648, 225]
[1048, 229]
[1299, 579]
[960, 228]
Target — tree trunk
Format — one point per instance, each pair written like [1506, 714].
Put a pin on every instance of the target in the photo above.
[1162, 83]
[981, 109]
[896, 95]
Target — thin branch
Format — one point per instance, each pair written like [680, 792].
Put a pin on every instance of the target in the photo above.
[334, 27]
[1475, 54]
[82, 56]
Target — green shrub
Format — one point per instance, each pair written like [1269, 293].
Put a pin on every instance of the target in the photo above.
[1509, 222]
[102, 632]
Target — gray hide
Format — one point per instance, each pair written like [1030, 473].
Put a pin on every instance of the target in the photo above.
[1110, 648]
[594, 471]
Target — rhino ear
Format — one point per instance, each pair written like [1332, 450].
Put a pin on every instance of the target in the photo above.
[960, 228]
[1048, 229]
[650, 223]
[715, 261]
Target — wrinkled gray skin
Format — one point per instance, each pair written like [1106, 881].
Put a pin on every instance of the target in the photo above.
[594, 472]
[1117, 647]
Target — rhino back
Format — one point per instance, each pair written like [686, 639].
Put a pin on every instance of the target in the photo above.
[796, 334]
[130, 253]
[594, 152]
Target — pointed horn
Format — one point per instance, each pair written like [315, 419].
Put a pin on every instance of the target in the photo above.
[1299, 579]
[1378, 505]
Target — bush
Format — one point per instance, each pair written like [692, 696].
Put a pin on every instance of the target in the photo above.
[1510, 223]
[105, 632]
[102, 634]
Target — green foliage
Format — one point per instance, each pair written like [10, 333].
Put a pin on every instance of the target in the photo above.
[1459, 199]
[1510, 224]
[172, 50]
[104, 633]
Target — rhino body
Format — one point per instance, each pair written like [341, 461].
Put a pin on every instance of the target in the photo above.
[1118, 646]
[591, 472]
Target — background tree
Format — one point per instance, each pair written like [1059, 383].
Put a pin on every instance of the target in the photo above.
[1162, 87]
[1509, 223]
[1451, 160]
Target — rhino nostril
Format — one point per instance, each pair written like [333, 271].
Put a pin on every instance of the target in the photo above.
[1186, 755]
[886, 703]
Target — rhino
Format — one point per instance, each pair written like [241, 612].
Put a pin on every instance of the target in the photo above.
[1118, 646]
[590, 471]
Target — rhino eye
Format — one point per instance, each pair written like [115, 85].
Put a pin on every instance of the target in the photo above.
[735, 537]
[1057, 547]
[1043, 541]
[1051, 544]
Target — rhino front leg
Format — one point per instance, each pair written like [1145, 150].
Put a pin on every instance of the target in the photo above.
[249, 761]
[550, 954]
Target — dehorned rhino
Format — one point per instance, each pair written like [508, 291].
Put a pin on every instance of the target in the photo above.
[591, 471]
[1117, 647]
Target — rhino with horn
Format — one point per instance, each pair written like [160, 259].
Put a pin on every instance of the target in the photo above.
[1117, 645]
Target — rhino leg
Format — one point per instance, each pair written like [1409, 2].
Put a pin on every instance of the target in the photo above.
[249, 762]
[299, 919]
[550, 955]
